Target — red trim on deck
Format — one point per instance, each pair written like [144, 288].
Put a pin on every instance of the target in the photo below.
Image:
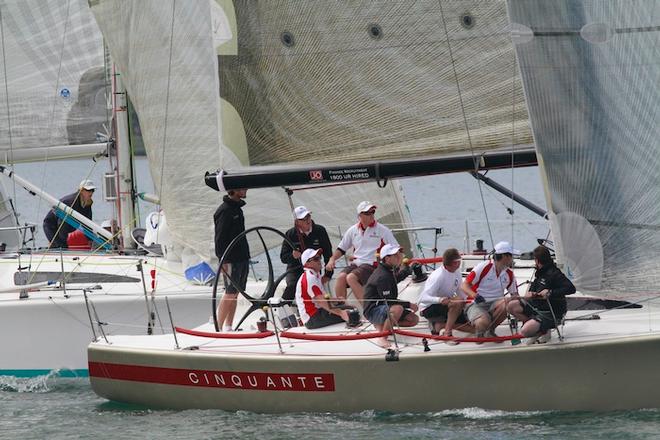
[454, 338]
[241, 380]
[325, 337]
[232, 335]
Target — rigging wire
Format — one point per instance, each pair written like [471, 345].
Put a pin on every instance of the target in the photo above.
[467, 127]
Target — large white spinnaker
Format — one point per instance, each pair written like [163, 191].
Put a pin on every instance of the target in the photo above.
[591, 74]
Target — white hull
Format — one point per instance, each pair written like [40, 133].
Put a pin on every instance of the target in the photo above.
[48, 331]
[602, 364]
[597, 375]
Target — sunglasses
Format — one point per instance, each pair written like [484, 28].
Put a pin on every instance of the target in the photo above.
[368, 212]
[314, 259]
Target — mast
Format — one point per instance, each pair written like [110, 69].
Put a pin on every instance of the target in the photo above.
[124, 181]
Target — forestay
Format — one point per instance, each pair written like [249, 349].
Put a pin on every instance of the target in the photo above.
[591, 76]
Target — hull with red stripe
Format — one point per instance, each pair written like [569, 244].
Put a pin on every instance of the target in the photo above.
[583, 372]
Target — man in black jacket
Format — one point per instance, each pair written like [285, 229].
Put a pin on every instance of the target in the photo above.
[544, 305]
[229, 223]
[381, 304]
[305, 234]
[81, 201]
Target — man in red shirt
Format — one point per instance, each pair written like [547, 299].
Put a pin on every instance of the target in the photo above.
[315, 309]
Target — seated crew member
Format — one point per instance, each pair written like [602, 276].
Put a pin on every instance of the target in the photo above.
[366, 237]
[381, 304]
[313, 236]
[314, 308]
[486, 284]
[544, 305]
[56, 229]
[441, 302]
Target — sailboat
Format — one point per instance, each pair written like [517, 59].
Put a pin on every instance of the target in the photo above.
[379, 81]
[60, 88]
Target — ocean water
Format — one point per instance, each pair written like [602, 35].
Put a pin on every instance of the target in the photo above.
[56, 408]
[64, 408]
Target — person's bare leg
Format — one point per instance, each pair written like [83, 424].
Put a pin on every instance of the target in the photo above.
[354, 283]
[515, 307]
[482, 323]
[340, 286]
[226, 310]
[410, 320]
[499, 314]
[530, 328]
[454, 308]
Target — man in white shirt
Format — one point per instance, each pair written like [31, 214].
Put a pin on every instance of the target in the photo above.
[366, 237]
[442, 303]
[486, 285]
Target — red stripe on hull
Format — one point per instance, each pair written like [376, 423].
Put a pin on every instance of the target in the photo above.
[242, 380]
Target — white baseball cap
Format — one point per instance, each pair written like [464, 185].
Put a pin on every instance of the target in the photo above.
[301, 212]
[504, 247]
[310, 253]
[389, 249]
[87, 184]
[365, 206]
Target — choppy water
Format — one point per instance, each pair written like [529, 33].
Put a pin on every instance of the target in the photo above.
[57, 408]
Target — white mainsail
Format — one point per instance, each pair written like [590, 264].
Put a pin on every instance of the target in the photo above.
[52, 84]
[166, 53]
[591, 76]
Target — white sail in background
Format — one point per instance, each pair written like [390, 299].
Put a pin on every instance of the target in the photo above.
[53, 83]
[166, 53]
[591, 73]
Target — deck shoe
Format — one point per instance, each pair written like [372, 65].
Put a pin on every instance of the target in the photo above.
[532, 340]
[353, 318]
[545, 337]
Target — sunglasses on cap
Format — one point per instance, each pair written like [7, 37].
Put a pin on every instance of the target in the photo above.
[314, 259]
[372, 212]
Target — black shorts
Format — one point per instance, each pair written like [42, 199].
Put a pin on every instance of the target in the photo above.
[322, 318]
[239, 275]
[438, 313]
[538, 310]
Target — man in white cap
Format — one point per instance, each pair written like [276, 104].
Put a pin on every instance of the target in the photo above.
[381, 304]
[314, 308]
[366, 237]
[486, 285]
[305, 234]
[80, 201]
